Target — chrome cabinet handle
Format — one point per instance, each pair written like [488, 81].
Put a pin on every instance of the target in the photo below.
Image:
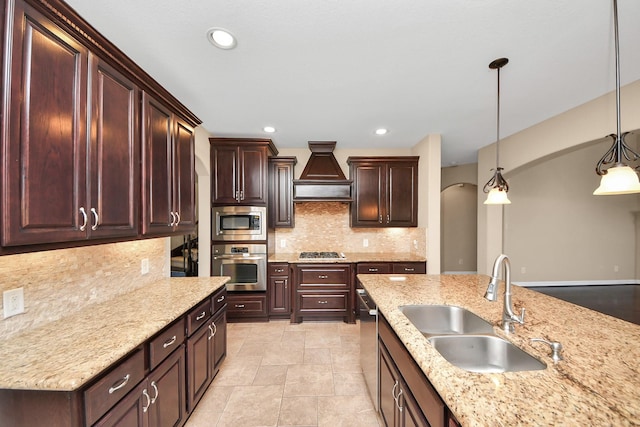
[380, 219]
[201, 316]
[239, 305]
[409, 269]
[400, 408]
[241, 195]
[279, 270]
[237, 196]
[373, 270]
[96, 218]
[84, 219]
[323, 302]
[173, 219]
[323, 276]
[145, 394]
[169, 342]
[211, 333]
[123, 382]
[388, 219]
[215, 329]
[393, 391]
[155, 387]
[178, 218]
[220, 299]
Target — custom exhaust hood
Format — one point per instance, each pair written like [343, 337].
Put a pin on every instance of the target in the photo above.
[322, 179]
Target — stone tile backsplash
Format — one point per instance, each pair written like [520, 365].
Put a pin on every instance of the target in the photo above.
[57, 283]
[324, 226]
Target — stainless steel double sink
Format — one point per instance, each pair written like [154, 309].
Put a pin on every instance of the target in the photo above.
[468, 341]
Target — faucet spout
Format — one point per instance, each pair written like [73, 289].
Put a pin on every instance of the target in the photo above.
[508, 316]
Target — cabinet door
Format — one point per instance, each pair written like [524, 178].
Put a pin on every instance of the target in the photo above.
[114, 153]
[224, 173]
[44, 150]
[156, 176]
[184, 173]
[252, 175]
[367, 209]
[198, 366]
[219, 340]
[167, 389]
[389, 387]
[279, 295]
[402, 184]
[131, 411]
[281, 192]
[411, 414]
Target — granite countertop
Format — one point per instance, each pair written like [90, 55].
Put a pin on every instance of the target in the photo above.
[597, 383]
[64, 354]
[350, 257]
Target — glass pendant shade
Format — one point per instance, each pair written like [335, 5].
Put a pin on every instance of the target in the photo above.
[497, 197]
[620, 179]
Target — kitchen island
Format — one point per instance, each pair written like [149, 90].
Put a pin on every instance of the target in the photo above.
[597, 383]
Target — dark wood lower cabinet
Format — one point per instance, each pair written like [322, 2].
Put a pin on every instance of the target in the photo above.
[247, 307]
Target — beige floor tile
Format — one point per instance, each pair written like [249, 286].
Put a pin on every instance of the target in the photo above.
[308, 380]
[317, 356]
[238, 371]
[252, 406]
[299, 411]
[271, 375]
[293, 337]
[345, 360]
[349, 384]
[282, 354]
[346, 411]
[321, 339]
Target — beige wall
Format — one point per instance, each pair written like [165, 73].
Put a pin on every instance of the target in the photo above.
[203, 171]
[467, 173]
[459, 228]
[588, 122]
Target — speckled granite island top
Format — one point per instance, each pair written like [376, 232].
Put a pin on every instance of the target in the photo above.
[597, 383]
[65, 354]
[350, 257]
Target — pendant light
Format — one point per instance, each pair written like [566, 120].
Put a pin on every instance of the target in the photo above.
[620, 178]
[497, 187]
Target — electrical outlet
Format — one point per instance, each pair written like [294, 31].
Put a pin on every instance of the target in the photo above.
[523, 270]
[13, 302]
[144, 266]
[365, 242]
[460, 261]
[283, 243]
[616, 268]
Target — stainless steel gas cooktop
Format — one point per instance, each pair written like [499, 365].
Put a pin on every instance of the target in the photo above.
[321, 255]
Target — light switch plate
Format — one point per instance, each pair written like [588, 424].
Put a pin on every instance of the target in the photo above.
[13, 302]
[144, 266]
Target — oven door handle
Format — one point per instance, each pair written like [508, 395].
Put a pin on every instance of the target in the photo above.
[239, 258]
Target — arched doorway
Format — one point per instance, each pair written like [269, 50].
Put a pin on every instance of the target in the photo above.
[459, 228]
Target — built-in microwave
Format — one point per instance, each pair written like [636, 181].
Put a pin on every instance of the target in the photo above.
[239, 223]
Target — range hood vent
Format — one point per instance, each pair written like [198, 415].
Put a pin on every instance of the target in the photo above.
[322, 179]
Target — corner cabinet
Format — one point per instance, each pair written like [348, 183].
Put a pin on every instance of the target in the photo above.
[168, 175]
[71, 140]
[385, 191]
[239, 170]
[281, 174]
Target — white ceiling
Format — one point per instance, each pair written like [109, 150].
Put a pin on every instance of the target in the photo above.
[339, 69]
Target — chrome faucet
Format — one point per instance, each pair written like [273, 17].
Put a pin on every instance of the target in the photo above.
[508, 316]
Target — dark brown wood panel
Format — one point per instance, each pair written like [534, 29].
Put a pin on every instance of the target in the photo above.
[325, 303]
[253, 175]
[374, 268]
[129, 412]
[114, 153]
[184, 172]
[367, 207]
[402, 183]
[409, 267]
[224, 170]
[281, 174]
[167, 389]
[44, 166]
[198, 366]
[157, 202]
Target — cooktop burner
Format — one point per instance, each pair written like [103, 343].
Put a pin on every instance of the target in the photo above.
[320, 255]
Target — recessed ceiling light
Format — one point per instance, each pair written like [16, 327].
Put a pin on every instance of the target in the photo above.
[221, 38]
[381, 131]
[269, 129]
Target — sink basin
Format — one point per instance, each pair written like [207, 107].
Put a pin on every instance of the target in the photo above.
[484, 354]
[445, 320]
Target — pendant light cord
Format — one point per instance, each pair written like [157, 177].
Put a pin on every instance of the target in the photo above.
[617, 52]
[498, 125]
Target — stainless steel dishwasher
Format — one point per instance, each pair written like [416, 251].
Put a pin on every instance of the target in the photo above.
[369, 343]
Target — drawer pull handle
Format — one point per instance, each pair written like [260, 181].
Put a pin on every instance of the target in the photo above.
[323, 276]
[201, 316]
[239, 305]
[123, 382]
[84, 219]
[215, 329]
[169, 342]
[323, 302]
[373, 269]
[409, 269]
[279, 270]
[220, 299]
[211, 333]
[145, 394]
[155, 388]
[94, 227]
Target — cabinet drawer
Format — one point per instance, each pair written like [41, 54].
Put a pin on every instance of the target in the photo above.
[101, 396]
[198, 316]
[219, 299]
[167, 341]
[330, 303]
[250, 305]
[374, 268]
[409, 267]
[324, 277]
[278, 269]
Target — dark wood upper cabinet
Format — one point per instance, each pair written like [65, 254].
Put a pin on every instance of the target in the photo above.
[239, 170]
[385, 191]
[281, 174]
[168, 176]
[70, 170]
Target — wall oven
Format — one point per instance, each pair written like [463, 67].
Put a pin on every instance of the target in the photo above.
[246, 264]
[239, 223]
